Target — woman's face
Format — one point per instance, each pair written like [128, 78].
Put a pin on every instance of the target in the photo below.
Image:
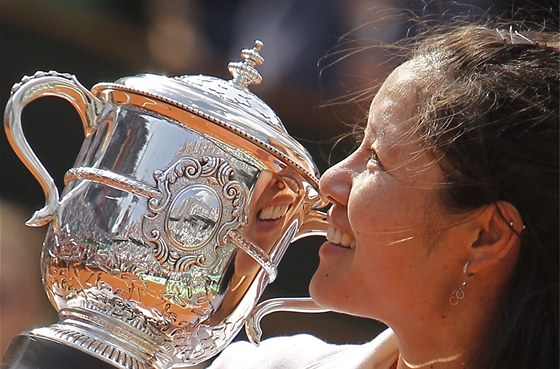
[384, 256]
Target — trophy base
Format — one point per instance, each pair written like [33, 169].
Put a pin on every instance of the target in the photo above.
[28, 351]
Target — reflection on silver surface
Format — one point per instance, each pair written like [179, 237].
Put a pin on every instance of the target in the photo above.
[182, 201]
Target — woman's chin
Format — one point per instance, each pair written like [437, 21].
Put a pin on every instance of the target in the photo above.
[319, 290]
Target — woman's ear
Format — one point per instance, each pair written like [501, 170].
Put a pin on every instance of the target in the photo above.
[499, 227]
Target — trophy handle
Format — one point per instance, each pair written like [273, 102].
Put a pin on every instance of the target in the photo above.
[296, 305]
[315, 224]
[31, 88]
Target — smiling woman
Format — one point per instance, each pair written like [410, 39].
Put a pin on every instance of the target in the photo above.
[444, 221]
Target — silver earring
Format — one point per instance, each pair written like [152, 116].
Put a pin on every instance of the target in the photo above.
[459, 293]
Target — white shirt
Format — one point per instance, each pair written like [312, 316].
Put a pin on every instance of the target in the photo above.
[307, 352]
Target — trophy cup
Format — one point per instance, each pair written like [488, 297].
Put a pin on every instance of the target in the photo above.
[180, 205]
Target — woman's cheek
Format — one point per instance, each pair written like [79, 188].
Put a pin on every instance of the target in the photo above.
[373, 210]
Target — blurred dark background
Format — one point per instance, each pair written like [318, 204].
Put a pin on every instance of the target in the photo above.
[310, 63]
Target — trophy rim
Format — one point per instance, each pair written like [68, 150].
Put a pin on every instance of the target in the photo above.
[174, 109]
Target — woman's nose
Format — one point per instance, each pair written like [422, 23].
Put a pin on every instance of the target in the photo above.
[336, 182]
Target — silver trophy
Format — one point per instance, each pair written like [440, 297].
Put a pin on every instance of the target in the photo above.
[182, 201]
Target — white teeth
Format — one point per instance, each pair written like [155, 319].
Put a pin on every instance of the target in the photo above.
[337, 237]
[274, 212]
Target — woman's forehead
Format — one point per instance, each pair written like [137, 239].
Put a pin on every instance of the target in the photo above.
[405, 74]
[394, 105]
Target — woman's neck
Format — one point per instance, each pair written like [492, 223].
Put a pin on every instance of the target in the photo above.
[445, 343]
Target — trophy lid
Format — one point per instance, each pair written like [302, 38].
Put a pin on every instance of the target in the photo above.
[227, 104]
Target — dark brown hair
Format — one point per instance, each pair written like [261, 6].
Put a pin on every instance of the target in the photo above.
[489, 107]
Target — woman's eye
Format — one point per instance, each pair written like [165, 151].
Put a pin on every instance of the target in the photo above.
[373, 158]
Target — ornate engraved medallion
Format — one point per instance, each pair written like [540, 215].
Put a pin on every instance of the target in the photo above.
[200, 200]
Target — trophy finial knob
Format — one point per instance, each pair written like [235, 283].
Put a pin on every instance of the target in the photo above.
[244, 73]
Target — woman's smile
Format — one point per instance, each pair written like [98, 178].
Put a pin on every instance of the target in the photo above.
[339, 238]
[338, 243]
